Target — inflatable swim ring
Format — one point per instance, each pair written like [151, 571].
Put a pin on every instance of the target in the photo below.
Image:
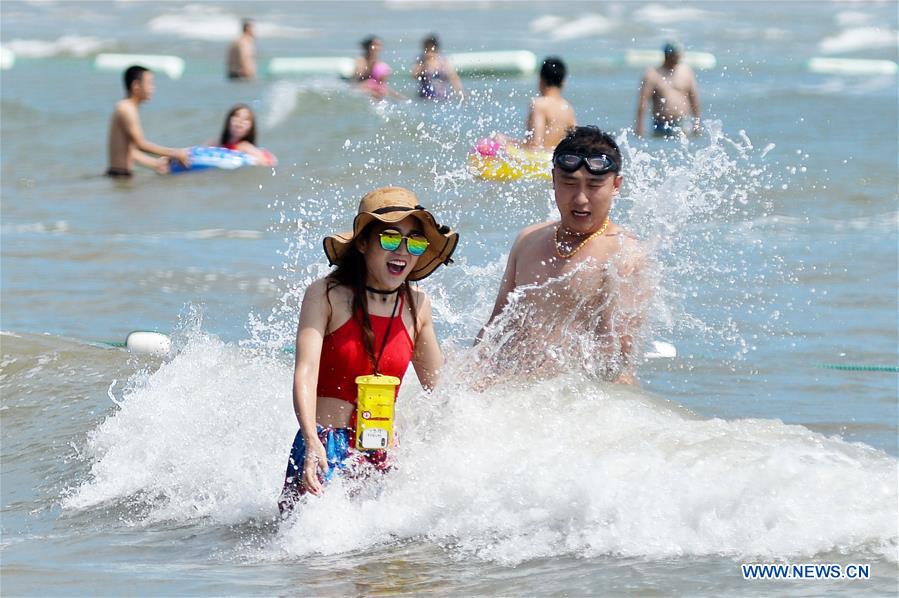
[204, 157]
[494, 161]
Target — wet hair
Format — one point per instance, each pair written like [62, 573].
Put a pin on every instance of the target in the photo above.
[553, 71]
[350, 272]
[132, 74]
[589, 141]
[246, 24]
[431, 42]
[368, 42]
[226, 133]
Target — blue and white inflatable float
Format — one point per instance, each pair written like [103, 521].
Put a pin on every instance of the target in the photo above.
[204, 157]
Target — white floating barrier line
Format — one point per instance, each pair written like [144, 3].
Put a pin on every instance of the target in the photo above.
[851, 66]
[513, 62]
[146, 342]
[643, 58]
[7, 58]
[173, 66]
[326, 65]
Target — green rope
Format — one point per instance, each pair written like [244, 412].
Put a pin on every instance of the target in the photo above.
[850, 367]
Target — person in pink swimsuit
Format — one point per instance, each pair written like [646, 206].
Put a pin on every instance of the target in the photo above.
[371, 72]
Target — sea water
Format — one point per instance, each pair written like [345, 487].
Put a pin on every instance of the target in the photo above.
[775, 232]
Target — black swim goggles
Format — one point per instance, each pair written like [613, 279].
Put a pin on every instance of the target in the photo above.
[596, 164]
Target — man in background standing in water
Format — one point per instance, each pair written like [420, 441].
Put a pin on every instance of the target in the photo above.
[242, 54]
[576, 288]
[550, 115]
[672, 89]
[127, 143]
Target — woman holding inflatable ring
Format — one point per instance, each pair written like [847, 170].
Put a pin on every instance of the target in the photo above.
[362, 318]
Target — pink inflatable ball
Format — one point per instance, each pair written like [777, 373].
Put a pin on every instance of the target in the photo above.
[380, 71]
[488, 147]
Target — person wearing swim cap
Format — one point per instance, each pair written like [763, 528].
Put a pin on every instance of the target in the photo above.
[575, 288]
[671, 89]
[364, 317]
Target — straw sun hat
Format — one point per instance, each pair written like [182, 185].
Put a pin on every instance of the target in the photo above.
[390, 205]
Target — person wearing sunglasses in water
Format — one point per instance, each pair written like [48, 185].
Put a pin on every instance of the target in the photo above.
[363, 318]
[574, 289]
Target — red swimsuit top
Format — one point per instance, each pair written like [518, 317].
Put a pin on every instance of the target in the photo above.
[343, 355]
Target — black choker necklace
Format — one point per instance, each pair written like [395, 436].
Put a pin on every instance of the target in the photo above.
[380, 291]
[383, 294]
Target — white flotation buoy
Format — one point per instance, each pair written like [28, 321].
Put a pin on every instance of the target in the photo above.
[173, 66]
[661, 350]
[513, 62]
[7, 58]
[698, 60]
[150, 343]
[851, 66]
[311, 66]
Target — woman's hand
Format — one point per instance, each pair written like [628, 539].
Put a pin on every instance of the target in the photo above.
[316, 459]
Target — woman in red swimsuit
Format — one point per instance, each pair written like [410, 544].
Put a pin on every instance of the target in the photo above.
[239, 134]
[362, 317]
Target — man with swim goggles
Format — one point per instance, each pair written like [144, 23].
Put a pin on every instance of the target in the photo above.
[559, 290]
[596, 164]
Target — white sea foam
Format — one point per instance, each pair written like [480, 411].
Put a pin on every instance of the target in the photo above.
[60, 226]
[562, 29]
[500, 475]
[210, 23]
[852, 18]
[661, 14]
[67, 45]
[860, 38]
[546, 23]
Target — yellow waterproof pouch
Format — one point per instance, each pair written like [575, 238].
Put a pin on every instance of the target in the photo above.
[374, 411]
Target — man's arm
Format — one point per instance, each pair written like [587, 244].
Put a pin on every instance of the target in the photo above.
[506, 285]
[535, 130]
[160, 165]
[135, 134]
[693, 96]
[633, 297]
[642, 100]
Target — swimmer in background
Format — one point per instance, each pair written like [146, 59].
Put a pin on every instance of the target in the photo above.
[437, 79]
[672, 89]
[239, 134]
[242, 54]
[577, 288]
[550, 115]
[127, 143]
[371, 72]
